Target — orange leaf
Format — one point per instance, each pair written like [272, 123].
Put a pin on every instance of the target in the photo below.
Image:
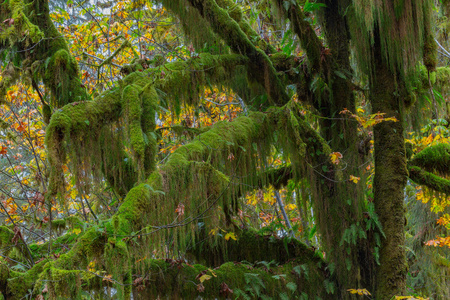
[3, 150]
[180, 209]
[21, 127]
[335, 157]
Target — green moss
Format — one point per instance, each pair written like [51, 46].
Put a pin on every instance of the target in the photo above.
[118, 265]
[434, 158]
[61, 76]
[261, 70]
[4, 276]
[134, 111]
[253, 246]
[6, 236]
[371, 21]
[247, 280]
[429, 180]
[132, 210]
[62, 283]
[196, 27]
[19, 283]
[442, 76]
[57, 68]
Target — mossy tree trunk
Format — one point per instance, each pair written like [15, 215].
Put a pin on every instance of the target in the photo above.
[390, 179]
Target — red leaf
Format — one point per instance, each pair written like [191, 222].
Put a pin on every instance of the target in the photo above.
[225, 290]
[3, 150]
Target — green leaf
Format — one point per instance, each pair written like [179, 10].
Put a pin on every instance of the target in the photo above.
[291, 286]
[340, 74]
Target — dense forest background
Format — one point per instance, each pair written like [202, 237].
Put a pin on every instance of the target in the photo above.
[242, 149]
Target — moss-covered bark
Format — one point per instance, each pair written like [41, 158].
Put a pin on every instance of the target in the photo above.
[434, 159]
[429, 180]
[389, 181]
[252, 247]
[345, 233]
[40, 51]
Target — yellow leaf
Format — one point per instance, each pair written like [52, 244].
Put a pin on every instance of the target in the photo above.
[335, 157]
[73, 194]
[230, 235]
[291, 206]
[205, 277]
[354, 179]
[76, 231]
[359, 292]
[212, 272]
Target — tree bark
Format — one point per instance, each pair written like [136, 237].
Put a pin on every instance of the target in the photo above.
[390, 178]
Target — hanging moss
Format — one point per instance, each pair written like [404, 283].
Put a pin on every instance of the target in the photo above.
[61, 76]
[262, 70]
[193, 176]
[252, 247]
[400, 26]
[430, 48]
[9, 77]
[196, 27]
[180, 280]
[117, 263]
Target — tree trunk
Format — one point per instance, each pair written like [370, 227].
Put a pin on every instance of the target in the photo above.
[390, 179]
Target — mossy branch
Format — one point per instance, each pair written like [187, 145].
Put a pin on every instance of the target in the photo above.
[429, 180]
[235, 12]
[253, 246]
[299, 139]
[260, 67]
[277, 177]
[309, 40]
[435, 158]
[200, 34]
[177, 279]
[40, 50]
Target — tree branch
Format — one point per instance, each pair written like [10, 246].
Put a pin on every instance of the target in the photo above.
[429, 180]
[260, 67]
[308, 37]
